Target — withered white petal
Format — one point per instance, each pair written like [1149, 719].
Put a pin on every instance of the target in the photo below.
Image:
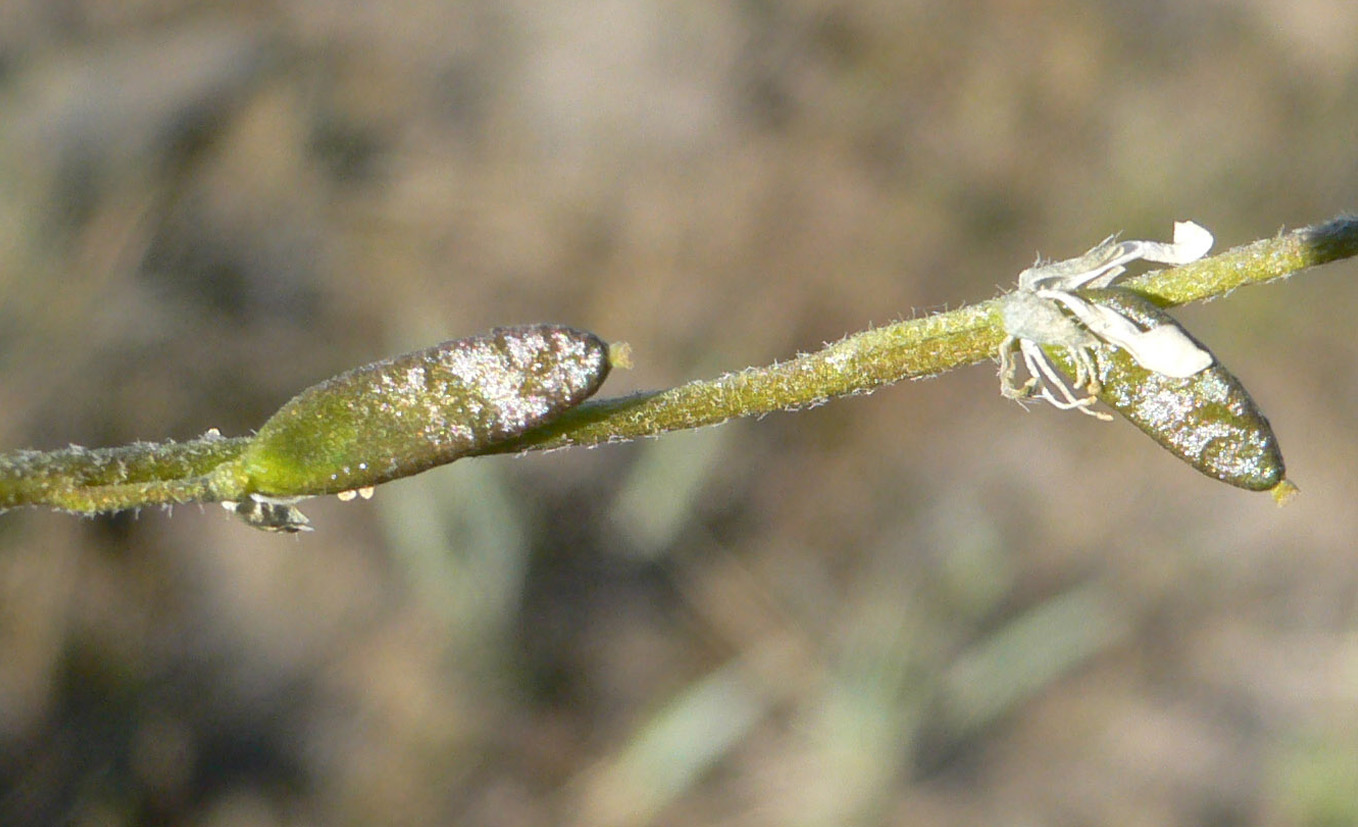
[1034, 318]
[1167, 349]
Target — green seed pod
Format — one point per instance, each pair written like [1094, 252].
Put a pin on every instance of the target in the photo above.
[413, 412]
[1207, 419]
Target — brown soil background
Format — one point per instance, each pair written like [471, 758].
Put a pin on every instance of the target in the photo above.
[923, 607]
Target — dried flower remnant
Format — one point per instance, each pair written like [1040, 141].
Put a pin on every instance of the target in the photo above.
[1122, 349]
[1045, 312]
[268, 514]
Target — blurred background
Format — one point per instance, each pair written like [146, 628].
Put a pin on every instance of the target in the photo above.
[923, 607]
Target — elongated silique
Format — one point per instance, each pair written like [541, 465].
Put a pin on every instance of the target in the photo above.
[1208, 419]
[410, 413]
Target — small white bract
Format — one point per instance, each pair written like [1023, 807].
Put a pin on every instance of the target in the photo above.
[1044, 311]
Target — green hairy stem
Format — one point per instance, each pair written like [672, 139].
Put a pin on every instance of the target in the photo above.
[92, 480]
[914, 349]
[324, 440]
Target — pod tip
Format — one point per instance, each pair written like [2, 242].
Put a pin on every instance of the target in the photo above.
[1283, 492]
[620, 355]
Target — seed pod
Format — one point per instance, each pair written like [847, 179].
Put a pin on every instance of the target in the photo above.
[410, 413]
[1207, 419]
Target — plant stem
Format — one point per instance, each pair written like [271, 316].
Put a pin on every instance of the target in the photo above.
[913, 349]
[110, 479]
